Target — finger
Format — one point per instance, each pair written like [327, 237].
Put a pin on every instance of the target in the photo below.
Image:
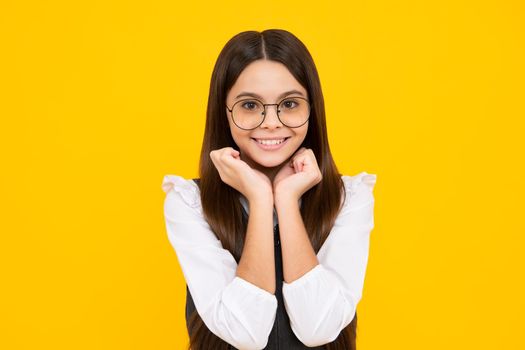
[221, 159]
[300, 150]
[230, 151]
[298, 165]
[307, 162]
[234, 152]
[295, 166]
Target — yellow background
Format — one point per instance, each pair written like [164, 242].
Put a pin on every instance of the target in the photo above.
[101, 99]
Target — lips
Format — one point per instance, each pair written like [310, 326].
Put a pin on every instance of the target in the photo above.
[271, 147]
[271, 139]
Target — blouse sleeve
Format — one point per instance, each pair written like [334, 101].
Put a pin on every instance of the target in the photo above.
[234, 309]
[324, 300]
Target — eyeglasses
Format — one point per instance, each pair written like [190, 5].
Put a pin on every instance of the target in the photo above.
[248, 114]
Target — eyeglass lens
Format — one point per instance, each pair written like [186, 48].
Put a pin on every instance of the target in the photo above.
[292, 111]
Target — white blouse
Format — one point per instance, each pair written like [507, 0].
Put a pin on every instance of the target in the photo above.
[319, 304]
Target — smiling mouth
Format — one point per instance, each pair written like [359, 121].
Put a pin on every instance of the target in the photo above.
[270, 142]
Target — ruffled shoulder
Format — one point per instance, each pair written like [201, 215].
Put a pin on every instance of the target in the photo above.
[352, 183]
[359, 188]
[187, 188]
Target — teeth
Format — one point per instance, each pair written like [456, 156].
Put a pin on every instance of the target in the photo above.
[270, 142]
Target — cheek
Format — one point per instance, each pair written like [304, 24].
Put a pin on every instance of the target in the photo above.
[302, 134]
[240, 138]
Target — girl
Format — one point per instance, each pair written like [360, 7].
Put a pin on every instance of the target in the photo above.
[273, 242]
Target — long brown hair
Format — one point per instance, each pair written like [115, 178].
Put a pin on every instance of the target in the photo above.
[226, 219]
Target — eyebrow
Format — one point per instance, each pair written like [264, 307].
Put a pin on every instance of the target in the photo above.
[253, 94]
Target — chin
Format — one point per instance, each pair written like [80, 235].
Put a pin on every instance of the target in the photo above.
[270, 160]
[272, 163]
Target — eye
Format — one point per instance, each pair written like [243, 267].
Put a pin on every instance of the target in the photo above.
[289, 104]
[250, 105]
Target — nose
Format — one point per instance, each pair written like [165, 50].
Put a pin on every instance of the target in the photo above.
[271, 119]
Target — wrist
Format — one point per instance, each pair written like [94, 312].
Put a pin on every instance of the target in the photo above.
[284, 199]
[263, 197]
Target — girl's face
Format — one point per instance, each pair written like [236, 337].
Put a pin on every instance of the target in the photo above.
[269, 80]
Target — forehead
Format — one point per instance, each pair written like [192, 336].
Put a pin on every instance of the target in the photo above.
[269, 79]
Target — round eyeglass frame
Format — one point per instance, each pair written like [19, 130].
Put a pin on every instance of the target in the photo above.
[264, 111]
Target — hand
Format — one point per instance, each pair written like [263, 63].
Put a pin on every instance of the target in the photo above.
[238, 174]
[297, 176]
